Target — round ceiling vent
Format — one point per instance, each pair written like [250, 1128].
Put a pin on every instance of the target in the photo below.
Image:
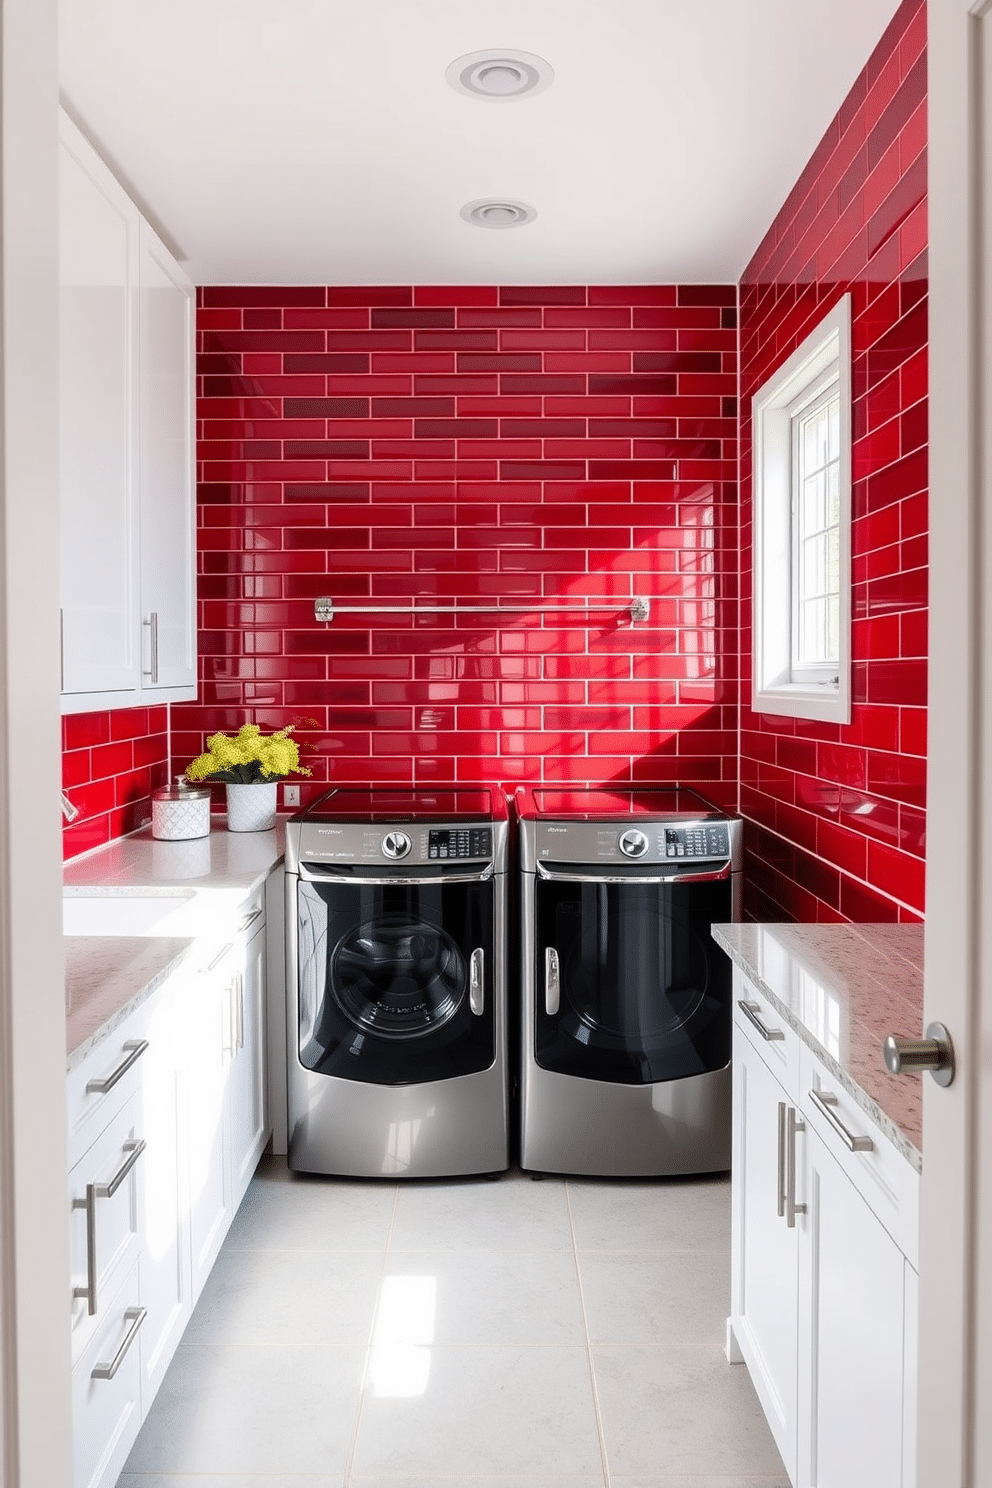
[499, 75]
[498, 212]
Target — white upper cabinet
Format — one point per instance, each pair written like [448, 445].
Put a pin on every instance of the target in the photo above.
[126, 447]
[98, 258]
[165, 468]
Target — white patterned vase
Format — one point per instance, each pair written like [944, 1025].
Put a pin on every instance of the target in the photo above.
[251, 808]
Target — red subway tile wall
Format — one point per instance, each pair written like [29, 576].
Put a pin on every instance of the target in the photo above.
[111, 763]
[522, 447]
[837, 813]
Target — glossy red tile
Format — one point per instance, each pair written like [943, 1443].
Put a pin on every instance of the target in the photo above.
[869, 169]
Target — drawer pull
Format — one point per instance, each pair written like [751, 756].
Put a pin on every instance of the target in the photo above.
[249, 919]
[751, 1011]
[135, 1316]
[135, 1048]
[780, 1205]
[218, 958]
[794, 1123]
[96, 1191]
[825, 1101]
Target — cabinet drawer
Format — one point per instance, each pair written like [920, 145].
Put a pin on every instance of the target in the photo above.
[881, 1174]
[101, 1085]
[104, 1220]
[757, 1020]
[106, 1413]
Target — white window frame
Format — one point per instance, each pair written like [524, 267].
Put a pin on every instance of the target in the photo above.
[823, 357]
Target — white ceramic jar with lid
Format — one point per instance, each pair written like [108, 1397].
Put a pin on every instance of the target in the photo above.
[180, 811]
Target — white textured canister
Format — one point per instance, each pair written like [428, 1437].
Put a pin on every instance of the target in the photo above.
[180, 811]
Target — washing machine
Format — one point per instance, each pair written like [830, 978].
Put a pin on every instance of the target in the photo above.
[396, 934]
[626, 1025]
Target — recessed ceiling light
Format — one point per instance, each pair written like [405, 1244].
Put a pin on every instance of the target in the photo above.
[499, 75]
[498, 212]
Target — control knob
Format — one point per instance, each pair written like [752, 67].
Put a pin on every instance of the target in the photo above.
[633, 844]
[396, 844]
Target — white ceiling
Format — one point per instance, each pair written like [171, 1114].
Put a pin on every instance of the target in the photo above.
[316, 141]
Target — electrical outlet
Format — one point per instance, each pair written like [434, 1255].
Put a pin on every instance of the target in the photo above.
[291, 795]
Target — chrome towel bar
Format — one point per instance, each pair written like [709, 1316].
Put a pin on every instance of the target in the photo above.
[325, 609]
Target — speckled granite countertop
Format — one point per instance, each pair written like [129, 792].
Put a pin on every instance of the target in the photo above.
[106, 976]
[844, 989]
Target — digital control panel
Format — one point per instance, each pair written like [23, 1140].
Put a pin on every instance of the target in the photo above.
[697, 842]
[459, 842]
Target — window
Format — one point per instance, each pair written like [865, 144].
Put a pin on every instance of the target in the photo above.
[802, 522]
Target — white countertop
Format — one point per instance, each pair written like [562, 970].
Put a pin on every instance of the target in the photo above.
[109, 975]
[844, 989]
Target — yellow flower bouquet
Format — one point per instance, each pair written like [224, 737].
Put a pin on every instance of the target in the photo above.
[249, 757]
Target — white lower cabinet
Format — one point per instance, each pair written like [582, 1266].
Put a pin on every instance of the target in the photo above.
[823, 1308]
[167, 1121]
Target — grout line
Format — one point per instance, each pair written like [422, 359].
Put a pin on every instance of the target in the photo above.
[360, 1407]
[603, 1454]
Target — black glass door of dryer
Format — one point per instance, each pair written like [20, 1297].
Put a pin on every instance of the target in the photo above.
[384, 980]
[645, 993]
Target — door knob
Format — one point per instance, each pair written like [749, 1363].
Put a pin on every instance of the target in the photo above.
[935, 1053]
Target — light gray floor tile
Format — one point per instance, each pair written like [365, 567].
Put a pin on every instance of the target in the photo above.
[461, 1480]
[681, 1411]
[513, 1213]
[325, 1299]
[225, 1480]
[477, 1411]
[252, 1410]
[284, 1211]
[674, 1298]
[667, 1214]
[486, 1298]
[779, 1481]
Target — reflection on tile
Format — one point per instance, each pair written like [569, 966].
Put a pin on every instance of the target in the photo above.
[252, 1410]
[670, 1214]
[684, 1410]
[485, 1298]
[479, 1410]
[672, 1300]
[780, 1480]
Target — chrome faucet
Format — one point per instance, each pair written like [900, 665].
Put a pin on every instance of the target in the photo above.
[69, 811]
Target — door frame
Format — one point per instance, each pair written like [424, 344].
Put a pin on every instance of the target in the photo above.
[35, 1359]
[955, 1348]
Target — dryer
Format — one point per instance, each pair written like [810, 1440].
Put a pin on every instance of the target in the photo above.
[396, 929]
[626, 1024]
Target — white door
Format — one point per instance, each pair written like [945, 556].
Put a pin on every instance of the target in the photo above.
[249, 1127]
[955, 1354]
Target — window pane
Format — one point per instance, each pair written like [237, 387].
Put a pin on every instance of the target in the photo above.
[832, 477]
[814, 575]
[814, 615]
[814, 513]
[833, 412]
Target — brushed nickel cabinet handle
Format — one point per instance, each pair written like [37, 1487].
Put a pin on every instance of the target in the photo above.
[826, 1102]
[780, 1168]
[751, 1011]
[135, 1316]
[135, 1048]
[794, 1123]
[94, 1191]
[152, 623]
